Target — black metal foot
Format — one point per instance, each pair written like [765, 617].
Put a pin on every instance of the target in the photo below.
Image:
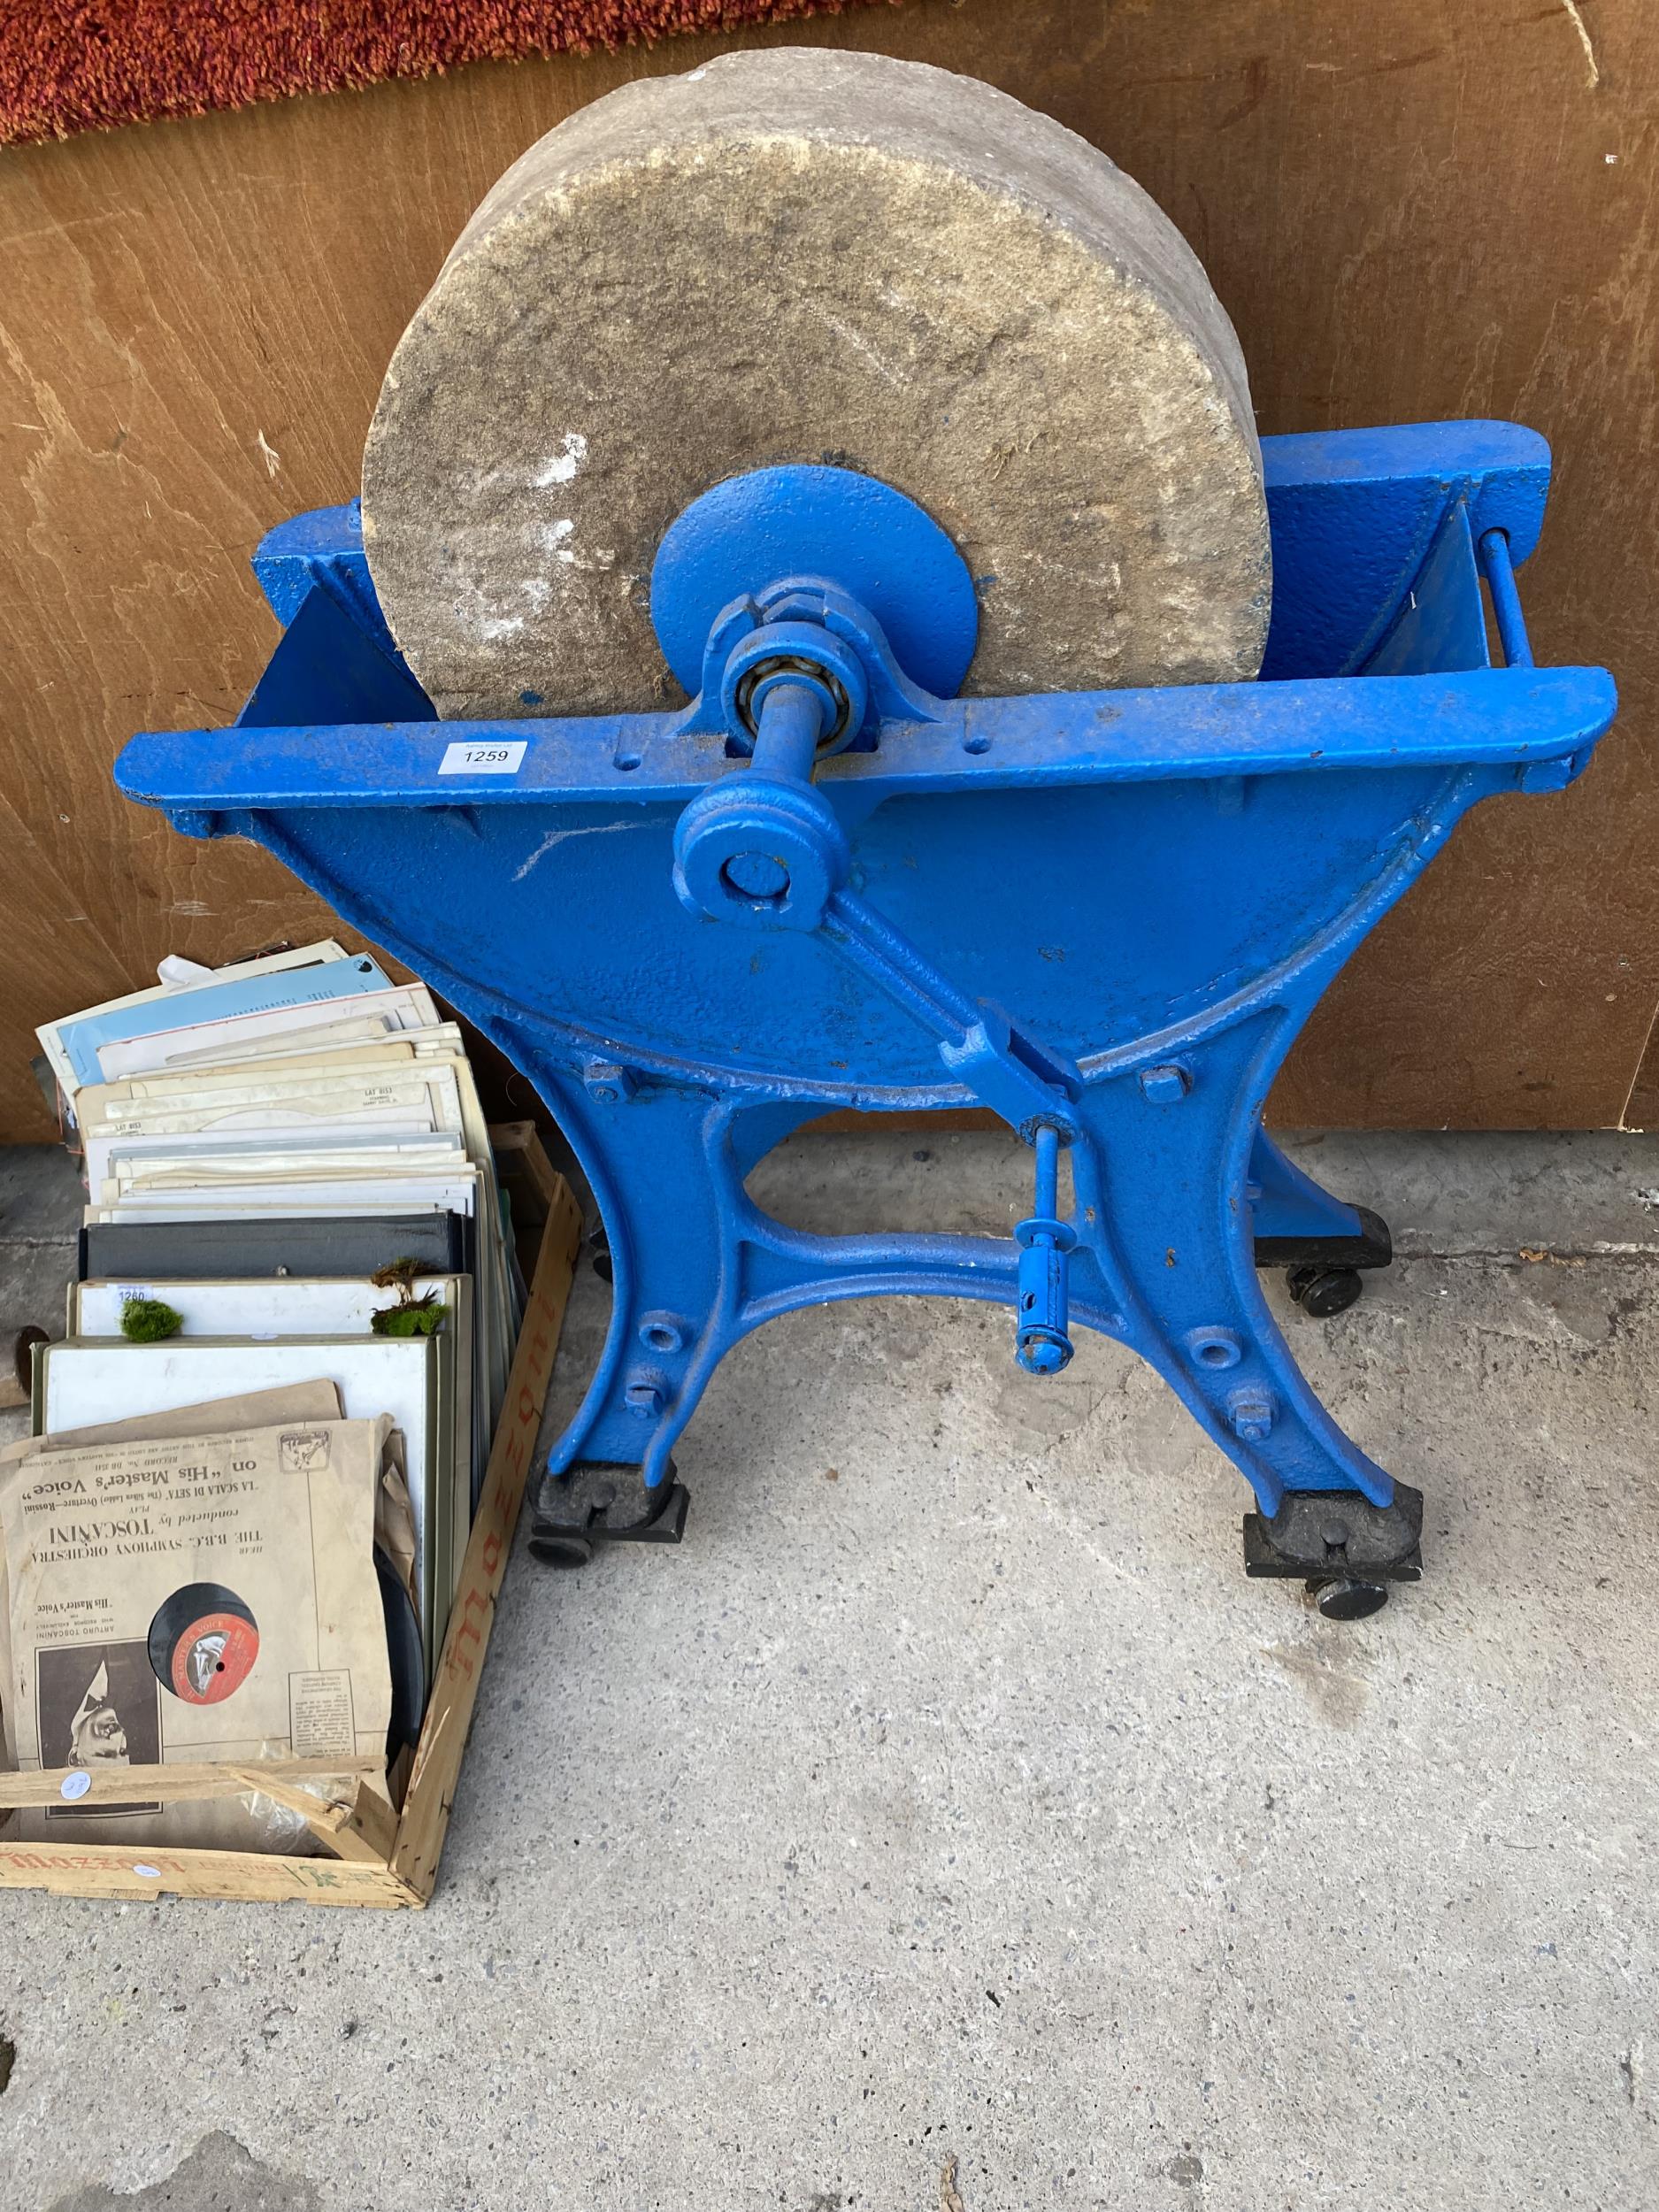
[1347, 1550]
[1323, 1274]
[595, 1503]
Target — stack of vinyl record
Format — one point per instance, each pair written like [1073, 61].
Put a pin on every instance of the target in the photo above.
[290, 1182]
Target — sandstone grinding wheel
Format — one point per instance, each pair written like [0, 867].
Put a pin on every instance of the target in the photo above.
[807, 255]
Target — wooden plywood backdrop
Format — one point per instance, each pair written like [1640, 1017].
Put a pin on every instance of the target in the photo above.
[1414, 209]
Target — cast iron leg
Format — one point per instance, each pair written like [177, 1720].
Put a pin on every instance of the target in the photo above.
[647, 1158]
[666, 1167]
[1172, 1161]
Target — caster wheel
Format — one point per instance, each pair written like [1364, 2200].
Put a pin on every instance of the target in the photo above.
[565, 1551]
[1348, 1600]
[1323, 1292]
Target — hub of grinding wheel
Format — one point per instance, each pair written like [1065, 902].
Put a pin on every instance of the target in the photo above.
[869, 541]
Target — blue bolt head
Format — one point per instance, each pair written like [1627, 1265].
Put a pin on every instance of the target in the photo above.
[1251, 1411]
[1168, 1085]
[609, 1084]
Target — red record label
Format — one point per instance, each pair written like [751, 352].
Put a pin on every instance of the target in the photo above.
[212, 1657]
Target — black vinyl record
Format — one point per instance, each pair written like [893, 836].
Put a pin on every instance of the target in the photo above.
[203, 1643]
[402, 1649]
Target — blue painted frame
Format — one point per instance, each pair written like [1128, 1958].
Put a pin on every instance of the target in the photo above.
[1158, 883]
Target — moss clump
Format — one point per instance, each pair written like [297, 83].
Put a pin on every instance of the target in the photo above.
[411, 1316]
[419, 1317]
[149, 1321]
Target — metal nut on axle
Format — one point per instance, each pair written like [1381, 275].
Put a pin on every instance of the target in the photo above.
[756, 875]
[759, 853]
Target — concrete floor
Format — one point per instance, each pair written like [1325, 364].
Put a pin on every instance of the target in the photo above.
[948, 1826]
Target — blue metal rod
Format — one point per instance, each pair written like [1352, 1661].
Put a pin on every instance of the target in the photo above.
[1499, 571]
[1047, 1199]
[889, 959]
[791, 723]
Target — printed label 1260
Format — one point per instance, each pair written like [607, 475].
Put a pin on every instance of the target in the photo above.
[483, 760]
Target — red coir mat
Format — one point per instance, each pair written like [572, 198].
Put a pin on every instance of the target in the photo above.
[66, 66]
